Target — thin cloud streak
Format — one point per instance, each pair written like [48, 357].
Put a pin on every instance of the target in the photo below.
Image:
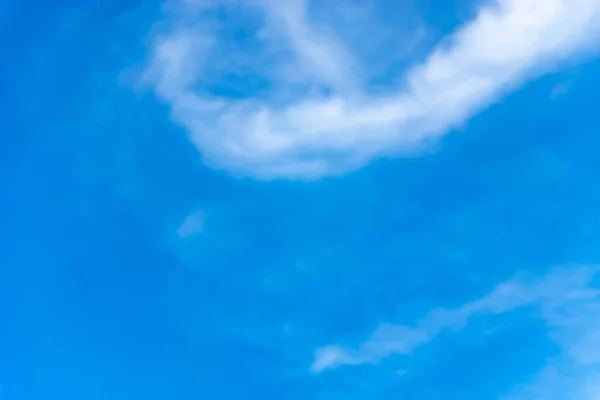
[568, 302]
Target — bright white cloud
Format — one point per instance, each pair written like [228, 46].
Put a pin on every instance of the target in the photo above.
[568, 303]
[319, 116]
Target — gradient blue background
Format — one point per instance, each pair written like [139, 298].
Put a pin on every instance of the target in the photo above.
[100, 299]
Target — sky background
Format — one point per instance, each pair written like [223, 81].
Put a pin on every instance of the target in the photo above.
[162, 236]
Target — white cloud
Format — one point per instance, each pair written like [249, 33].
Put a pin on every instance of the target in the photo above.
[568, 303]
[564, 297]
[320, 117]
[319, 57]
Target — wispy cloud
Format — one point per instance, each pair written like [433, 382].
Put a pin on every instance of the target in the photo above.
[192, 225]
[319, 116]
[568, 302]
[315, 56]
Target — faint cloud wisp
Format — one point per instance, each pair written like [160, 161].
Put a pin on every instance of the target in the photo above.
[568, 302]
[192, 225]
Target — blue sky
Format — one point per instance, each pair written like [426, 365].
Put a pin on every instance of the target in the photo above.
[294, 200]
